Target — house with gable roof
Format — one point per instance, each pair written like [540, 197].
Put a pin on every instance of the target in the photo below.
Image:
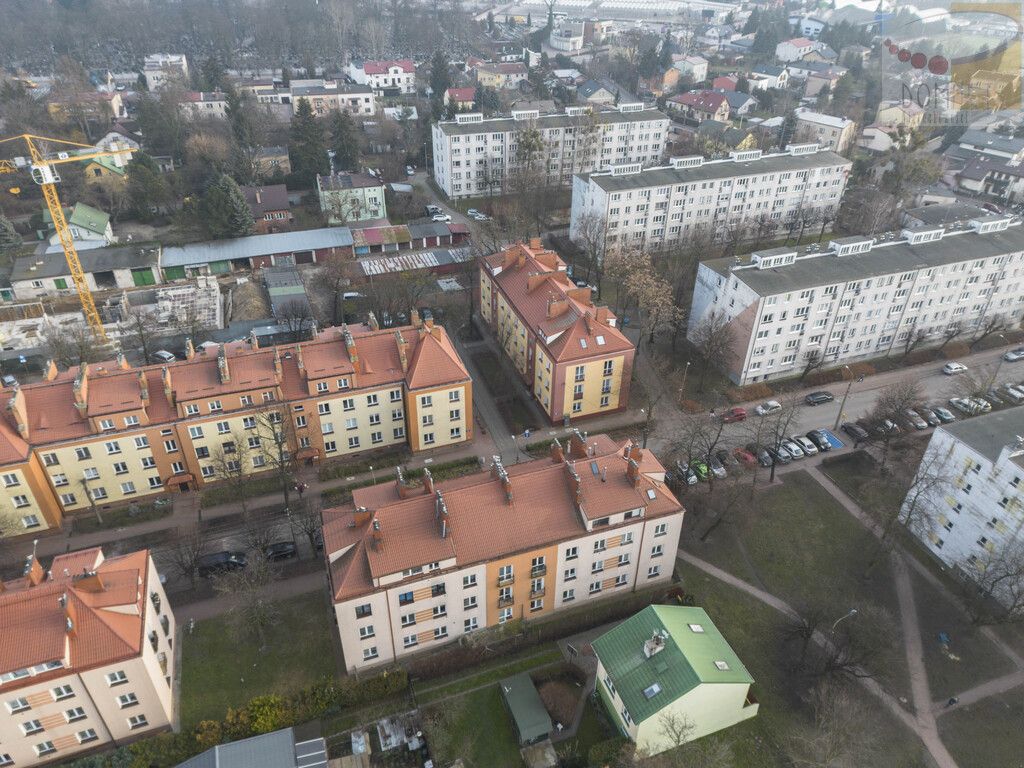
[671, 663]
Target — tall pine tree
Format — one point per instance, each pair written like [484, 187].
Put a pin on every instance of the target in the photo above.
[224, 210]
[307, 148]
[344, 141]
[8, 234]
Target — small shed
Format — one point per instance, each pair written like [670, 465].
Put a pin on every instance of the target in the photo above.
[531, 719]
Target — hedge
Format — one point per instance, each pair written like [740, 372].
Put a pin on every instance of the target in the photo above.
[339, 469]
[758, 391]
[956, 349]
[261, 714]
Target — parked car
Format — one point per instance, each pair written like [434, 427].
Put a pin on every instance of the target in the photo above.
[700, 468]
[931, 418]
[820, 440]
[716, 467]
[768, 407]
[792, 448]
[818, 398]
[1014, 355]
[220, 562]
[945, 415]
[914, 420]
[809, 448]
[410, 171]
[163, 356]
[888, 427]
[858, 433]
[476, 215]
[953, 368]
[433, 210]
[441, 217]
[965, 406]
[733, 415]
[727, 459]
[779, 455]
[1013, 394]
[981, 404]
[8, 381]
[745, 457]
[995, 397]
[281, 550]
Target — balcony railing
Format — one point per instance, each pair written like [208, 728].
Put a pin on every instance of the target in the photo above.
[506, 580]
[537, 592]
[538, 570]
[504, 602]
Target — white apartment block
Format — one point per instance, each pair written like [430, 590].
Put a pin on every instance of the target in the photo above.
[162, 69]
[858, 298]
[967, 504]
[476, 156]
[655, 206]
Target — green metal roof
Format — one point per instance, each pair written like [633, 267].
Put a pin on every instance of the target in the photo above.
[108, 163]
[84, 216]
[687, 660]
[531, 718]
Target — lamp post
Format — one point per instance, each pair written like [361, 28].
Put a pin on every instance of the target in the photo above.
[999, 365]
[846, 394]
[646, 426]
[373, 475]
[686, 370]
[852, 612]
[515, 439]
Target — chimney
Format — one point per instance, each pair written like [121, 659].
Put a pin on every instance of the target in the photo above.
[350, 346]
[499, 472]
[122, 362]
[81, 388]
[165, 374]
[88, 581]
[655, 645]
[557, 307]
[534, 279]
[633, 473]
[70, 614]
[361, 515]
[143, 387]
[557, 454]
[371, 320]
[414, 317]
[34, 573]
[575, 485]
[428, 319]
[441, 514]
[403, 490]
[376, 537]
[190, 350]
[536, 244]
[577, 445]
[17, 411]
[277, 364]
[259, 196]
[428, 481]
[253, 340]
[51, 371]
[402, 346]
[299, 362]
[222, 366]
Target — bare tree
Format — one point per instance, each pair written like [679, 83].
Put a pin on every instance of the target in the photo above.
[297, 319]
[275, 433]
[915, 338]
[230, 462]
[952, 331]
[813, 360]
[999, 575]
[683, 751]
[192, 325]
[986, 327]
[139, 330]
[186, 551]
[246, 588]
[84, 483]
[655, 304]
[891, 408]
[307, 520]
[838, 736]
[334, 275]
[714, 341]
[71, 345]
[775, 427]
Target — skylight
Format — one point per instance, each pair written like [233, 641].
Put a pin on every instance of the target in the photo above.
[722, 666]
[651, 494]
[600, 341]
[652, 690]
[583, 343]
[696, 628]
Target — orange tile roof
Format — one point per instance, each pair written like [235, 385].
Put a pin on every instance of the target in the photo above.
[107, 622]
[535, 289]
[483, 524]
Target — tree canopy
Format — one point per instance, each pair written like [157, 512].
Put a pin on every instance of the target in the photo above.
[224, 210]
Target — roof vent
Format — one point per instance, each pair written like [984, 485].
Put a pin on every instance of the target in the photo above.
[923, 235]
[525, 114]
[742, 156]
[655, 644]
[802, 149]
[633, 106]
[990, 224]
[699, 629]
[722, 666]
[850, 246]
[469, 117]
[626, 168]
[690, 161]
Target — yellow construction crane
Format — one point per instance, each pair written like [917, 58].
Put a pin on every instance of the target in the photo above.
[42, 167]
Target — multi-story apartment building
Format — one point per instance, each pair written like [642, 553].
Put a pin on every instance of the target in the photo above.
[834, 133]
[394, 76]
[474, 156]
[858, 298]
[330, 96]
[350, 197]
[569, 351]
[163, 69]
[87, 657]
[106, 434]
[967, 502]
[203, 105]
[417, 565]
[628, 205]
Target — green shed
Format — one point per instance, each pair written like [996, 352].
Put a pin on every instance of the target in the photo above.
[528, 713]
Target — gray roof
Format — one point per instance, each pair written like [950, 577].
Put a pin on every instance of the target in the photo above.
[277, 749]
[320, 90]
[93, 260]
[890, 258]
[551, 121]
[736, 99]
[994, 141]
[772, 70]
[945, 214]
[428, 229]
[780, 163]
[256, 245]
[990, 433]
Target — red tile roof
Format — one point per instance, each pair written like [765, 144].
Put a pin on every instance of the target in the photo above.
[461, 94]
[382, 67]
[703, 101]
[483, 523]
[107, 616]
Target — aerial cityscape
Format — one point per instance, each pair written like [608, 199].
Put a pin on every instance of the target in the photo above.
[550, 384]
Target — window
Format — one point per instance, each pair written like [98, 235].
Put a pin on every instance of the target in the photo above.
[91, 473]
[106, 424]
[362, 611]
[505, 615]
[536, 605]
[353, 442]
[126, 700]
[454, 396]
[428, 438]
[116, 678]
[351, 423]
[370, 653]
[455, 414]
[21, 500]
[68, 499]
[98, 493]
[254, 442]
[440, 632]
[31, 726]
[207, 471]
[600, 545]
[405, 598]
[595, 587]
[571, 553]
[249, 422]
[62, 692]
[195, 433]
[191, 409]
[142, 442]
[171, 446]
[324, 408]
[137, 721]
[372, 400]
[426, 401]
[223, 427]
[82, 454]
[155, 482]
[366, 632]
[410, 641]
[5, 760]
[74, 714]
[120, 468]
[653, 571]
[128, 488]
[245, 400]
[18, 705]
[268, 397]
[428, 420]
[330, 446]
[468, 625]
[50, 459]
[148, 462]
[321, 386]
[259, 461]
[661, 529]
[469, 581]
[202, 452]
[45, 748]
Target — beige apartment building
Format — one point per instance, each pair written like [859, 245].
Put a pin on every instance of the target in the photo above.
[108, 433]
[86, 656]
[415, 565]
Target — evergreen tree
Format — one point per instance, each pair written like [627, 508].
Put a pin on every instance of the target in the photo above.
[529, 20]
[211, 75]
[490, 21]
[307, 146]
[752, 21]
[224, 210]
[8, 234]
[148, 190]
[286, 75]
[440, 81]
[344, 141]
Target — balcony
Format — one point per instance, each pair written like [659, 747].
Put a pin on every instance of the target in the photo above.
[537, 592]
[166, 624]
[504, 581]
[538, 570]
[154, 639]
[505, 602]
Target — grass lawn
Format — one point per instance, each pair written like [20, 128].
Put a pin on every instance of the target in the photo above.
[849, 471]
[86, 522]
[979, 659]
[532, 658]
[594, 728]
[220, 671]
[480, 732]
[986, 734]
[802, 546]
[751, 629]
[257, 486]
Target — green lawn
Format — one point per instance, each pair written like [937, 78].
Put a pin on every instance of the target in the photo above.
[594, 728]
[479, 730]
[257, 486]
[849, 472]
[751, 628]
[986, 734]
[86, 522]
[219, 670]
[803, 547]
[977, 658]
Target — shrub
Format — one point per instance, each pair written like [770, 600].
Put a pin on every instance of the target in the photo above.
[209, 733]
[560, 699]
[269, 713]
[383, 460]
[919, 356]
[606, 752]
[862, 369]
[691, 406]
[819, 378]
[956, 349]
[758, 391]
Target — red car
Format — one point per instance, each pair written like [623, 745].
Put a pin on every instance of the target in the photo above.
[734, 415]
[745, 457]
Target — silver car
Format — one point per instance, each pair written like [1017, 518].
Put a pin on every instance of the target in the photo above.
[809, 448]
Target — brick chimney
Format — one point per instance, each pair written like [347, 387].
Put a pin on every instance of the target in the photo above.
[428, 320]
[633, 473]
[70, 614]
[535, 279]
[371, 320]
[253, 340]
[259, 195]
[577, 445]
[499, 472]
[402, 351]
[50, 373]
[165, 374]
[428, 481]
[557, 307]
[278, 372]
[88, 581]
[547, 258]
[34, 573]
[536, 244]
[376, 537]
[414, 317]
[557, 454]
[299, 362]
[222, 366]
[361, 515]
[190, 350]
[18, 413]
[350, 346]
[81, 388]
[143, 387]
[122, 362]
[575, 485]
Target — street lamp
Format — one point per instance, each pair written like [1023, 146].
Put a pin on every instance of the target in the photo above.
[373, 475]
[850, 615]
[686, 370]
[846, 394]
[992, 381]
[643, 431]
[515, 439]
